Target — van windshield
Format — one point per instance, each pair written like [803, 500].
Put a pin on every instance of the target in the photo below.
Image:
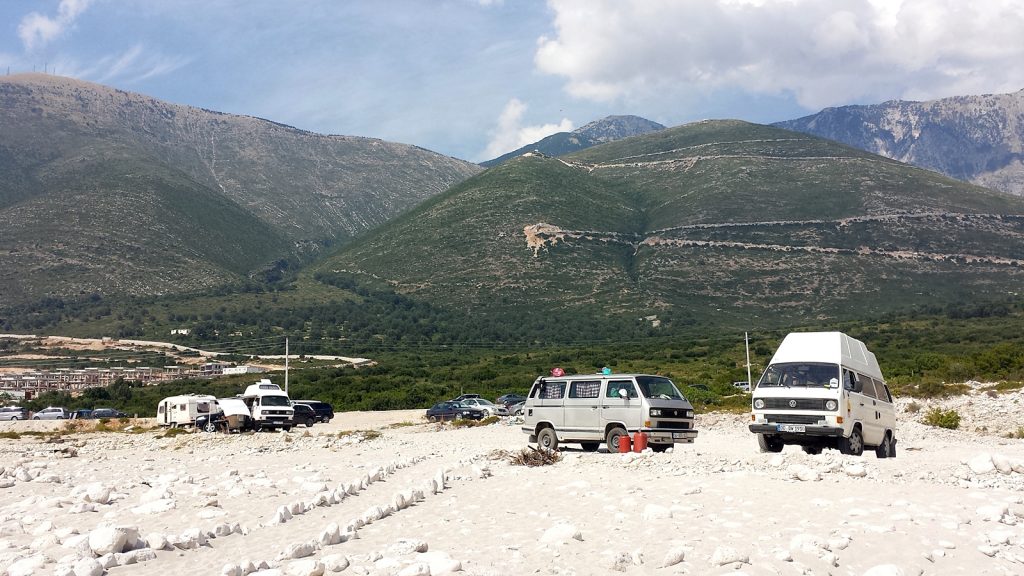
[799, 374]
[275, 401]
[658, 387]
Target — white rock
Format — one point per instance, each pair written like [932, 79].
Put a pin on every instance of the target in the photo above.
[728, 555]
[808, 544]
[981, 464]
[1002, 463]
[311, 567]
[674, 556]
[27, 566]
[440, 563]
[855, 470]
[408, 546]
[987, 550]
[97, 493]
[999, 537]
[299, 550]
[807, 474]
[335, 562]
[107, 540]
[157, 541]
[415, 569]
[561, 533]
[885, 570]
[144, 554]
[992, 513]
[156, 506]
[231, 570]
[656, 512]
[782, 555]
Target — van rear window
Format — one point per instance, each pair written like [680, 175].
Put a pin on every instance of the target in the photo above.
[551, 390]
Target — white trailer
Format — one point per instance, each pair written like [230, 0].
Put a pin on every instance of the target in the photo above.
[177, 411]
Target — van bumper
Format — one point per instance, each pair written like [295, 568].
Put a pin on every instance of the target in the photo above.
[669, 436]
[808, 430]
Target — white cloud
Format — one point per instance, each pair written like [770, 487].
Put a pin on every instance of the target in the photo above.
[133, 65]
[37, 30]
[510, 134]
[823, 53]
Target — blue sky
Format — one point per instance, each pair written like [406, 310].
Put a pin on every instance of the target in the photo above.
[477, 78]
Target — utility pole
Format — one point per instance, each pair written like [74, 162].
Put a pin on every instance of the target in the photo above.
[746, 342]
[285, 365]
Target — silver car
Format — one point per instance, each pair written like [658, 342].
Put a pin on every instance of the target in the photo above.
[52, 413]
[486, 405]
[13, 413]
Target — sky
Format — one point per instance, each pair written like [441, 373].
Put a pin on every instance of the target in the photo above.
[474, 79]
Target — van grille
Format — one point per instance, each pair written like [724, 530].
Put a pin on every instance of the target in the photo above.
[801, 404]
[793, 418]
[673, 425]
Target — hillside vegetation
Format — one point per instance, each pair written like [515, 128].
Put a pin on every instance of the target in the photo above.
[721, 224]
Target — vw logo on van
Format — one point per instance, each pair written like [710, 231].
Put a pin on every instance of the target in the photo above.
[792, 403]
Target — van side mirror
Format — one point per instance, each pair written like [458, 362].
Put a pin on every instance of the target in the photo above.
[833, 383]
[623, 393]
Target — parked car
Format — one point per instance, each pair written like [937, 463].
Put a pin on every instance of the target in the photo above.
[13, 413]
[491, 408]
[451, 410]
[107, 413]
[462, 397]
[517, 408]
[81, 413]
[324, 411]
[508, 400]
[303, 414]
[211, 422]
[52, 413]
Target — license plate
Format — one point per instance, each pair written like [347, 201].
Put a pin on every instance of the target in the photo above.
[678, 435]
[791, 428]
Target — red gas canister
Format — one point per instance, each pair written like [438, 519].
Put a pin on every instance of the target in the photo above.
[624, 443]
[639, 441]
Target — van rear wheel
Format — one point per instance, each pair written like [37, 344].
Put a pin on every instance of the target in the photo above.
[547, 439]
[769, 443]
[886, 449]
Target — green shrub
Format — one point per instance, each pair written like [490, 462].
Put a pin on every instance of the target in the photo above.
[10, 435]
[942, 418]
[913, 408]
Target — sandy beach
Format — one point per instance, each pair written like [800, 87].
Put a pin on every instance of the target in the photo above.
[400, 496]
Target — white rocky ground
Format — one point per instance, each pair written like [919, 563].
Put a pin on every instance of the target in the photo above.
[426, 500]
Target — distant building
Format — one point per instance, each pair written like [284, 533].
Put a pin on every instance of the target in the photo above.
[244, 369]
[181, 331]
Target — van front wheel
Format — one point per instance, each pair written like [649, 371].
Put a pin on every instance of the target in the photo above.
[886, 448]
[854, 445]
[547, 439]
[612, 439]
[769, 443]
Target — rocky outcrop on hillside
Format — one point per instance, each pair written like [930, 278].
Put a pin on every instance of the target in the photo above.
[979, 139]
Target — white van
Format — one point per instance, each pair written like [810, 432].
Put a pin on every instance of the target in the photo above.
[593, 408]
[269, 406]
[177, 411]
[824, 390]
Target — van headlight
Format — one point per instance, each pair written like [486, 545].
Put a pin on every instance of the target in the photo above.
[759, 404]
[831, 405]
[689, 413]
[655, 412]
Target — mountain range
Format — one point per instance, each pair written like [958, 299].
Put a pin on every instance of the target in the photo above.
[717, 221]
[979, 139]
[113, 192]
[597, 132]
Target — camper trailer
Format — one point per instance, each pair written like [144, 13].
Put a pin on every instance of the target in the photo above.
[824, 390]
[268, 405]
[177, 411]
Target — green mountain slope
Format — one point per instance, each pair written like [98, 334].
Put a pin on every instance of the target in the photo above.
[718, 221]
[118, 193]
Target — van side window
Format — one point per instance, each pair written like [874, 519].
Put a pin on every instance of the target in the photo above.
[869, 386]
[615, 385]
[552, 390]
[585, 389]
[887, 395]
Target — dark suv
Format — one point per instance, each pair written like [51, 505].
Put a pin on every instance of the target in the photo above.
[324, 411]
[303, 414]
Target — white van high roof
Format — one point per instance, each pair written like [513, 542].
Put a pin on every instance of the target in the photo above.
[828, 347]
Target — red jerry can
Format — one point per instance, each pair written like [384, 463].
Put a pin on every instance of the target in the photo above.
[624, 443]
[639, 441]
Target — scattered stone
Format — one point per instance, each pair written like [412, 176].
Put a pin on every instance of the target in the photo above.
[673, 556]
[981, 464]
[310, 567]
[335, 562]
[107, 540]
[561, 533]
[885, 570]
[728, 555]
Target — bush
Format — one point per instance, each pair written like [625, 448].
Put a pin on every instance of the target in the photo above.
[942, 418]
[913, 408]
